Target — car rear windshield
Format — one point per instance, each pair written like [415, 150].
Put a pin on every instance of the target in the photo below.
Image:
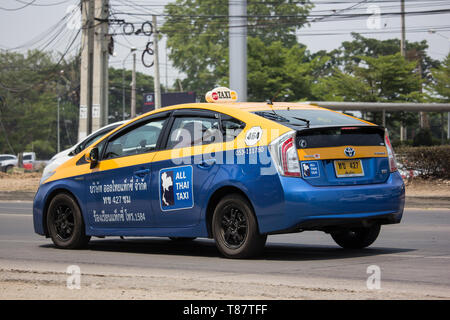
[317, 117]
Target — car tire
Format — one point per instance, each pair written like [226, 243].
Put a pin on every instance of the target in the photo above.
[182, 239]
[356, 238]
[65, 223]
[235, 228]
[8, 169]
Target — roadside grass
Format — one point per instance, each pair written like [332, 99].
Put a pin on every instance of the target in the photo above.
[419, 187]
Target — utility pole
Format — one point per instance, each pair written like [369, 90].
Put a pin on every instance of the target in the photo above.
[156, 80]
[123, 93]
[101, 58]
[237, 11]
[167, 82]
[94, 66]
[448, 114]
[87, 40]
[133, 86]
[402, 41]
[123, 81]
[403, 130]
[57, 127]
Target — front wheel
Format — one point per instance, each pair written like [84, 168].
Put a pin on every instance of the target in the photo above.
[235, 228]
[356, 238]
[65, 223]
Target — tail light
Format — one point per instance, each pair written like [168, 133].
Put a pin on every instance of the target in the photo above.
[284, 155]
[390, 150]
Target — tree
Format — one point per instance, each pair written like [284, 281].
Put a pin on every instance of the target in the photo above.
[144, 84]
[197, 33]
[350, 52]
[389, 78]
[441, 84]
[30, 85]
[277, 69]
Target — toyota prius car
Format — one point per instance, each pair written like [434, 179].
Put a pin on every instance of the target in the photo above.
[232, 171]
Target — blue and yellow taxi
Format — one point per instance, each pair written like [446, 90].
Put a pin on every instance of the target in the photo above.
[232, 171]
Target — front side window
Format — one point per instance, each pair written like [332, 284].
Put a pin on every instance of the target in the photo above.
[193, 131]
[139, 140]
[93, 139]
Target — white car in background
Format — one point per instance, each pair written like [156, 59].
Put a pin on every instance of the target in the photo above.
[7, 162]
[61, 157]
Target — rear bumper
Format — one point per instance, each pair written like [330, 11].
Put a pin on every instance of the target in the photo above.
[322, 208]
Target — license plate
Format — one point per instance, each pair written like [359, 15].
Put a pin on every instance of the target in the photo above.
[348, 168]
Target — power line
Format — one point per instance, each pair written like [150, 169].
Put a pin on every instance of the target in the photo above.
[43, 4]
[20, 8]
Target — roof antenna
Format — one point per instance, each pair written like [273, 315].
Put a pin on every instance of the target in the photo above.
[274, 97]
[270, 102]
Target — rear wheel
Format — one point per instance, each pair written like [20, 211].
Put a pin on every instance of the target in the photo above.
[235, 228]
[356, 238]
[9, 169]
[65, 223]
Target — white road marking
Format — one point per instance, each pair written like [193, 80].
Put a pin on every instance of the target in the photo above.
[418, 256]
[22, 241]
[15, 215]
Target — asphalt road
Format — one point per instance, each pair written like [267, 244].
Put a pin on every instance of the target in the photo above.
[413, 257]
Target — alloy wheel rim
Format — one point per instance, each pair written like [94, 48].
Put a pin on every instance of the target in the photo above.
[64, 222]
[234, 227]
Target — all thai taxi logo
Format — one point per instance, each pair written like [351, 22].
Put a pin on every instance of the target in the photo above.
[349, 152]
[175, 186]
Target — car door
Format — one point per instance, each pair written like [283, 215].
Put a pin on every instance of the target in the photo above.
[119, 188]
[182, 172]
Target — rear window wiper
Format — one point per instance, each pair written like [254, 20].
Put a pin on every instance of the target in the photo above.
[276, 117]
[304, 120]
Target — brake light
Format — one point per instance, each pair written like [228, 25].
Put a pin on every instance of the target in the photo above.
[284, 155]
[390, 151]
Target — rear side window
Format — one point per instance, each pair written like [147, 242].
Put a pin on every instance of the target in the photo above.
[231, 127]
[316, 117]
[193, 131]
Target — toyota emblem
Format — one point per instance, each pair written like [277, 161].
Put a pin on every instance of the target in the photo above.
[349, 152]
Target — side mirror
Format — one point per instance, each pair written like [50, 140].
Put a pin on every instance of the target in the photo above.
[92, 157]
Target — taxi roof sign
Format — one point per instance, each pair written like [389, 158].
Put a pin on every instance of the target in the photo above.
[221, 94]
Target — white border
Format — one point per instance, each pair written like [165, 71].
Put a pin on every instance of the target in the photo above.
[349, 175]
[309, 161]
[159, 188]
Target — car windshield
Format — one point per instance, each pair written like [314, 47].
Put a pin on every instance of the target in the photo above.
[302, 117]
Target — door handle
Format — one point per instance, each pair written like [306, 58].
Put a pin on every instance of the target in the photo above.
[206, 163]
[141, 173]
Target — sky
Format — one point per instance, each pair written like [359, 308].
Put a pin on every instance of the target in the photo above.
[22, 25]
